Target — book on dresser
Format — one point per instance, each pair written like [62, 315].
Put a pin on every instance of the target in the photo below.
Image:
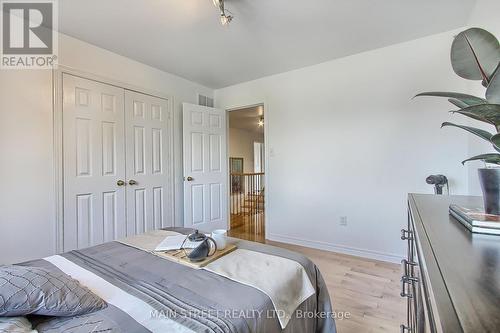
[476, 220]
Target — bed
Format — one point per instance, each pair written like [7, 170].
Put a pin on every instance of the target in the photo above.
[147, 293]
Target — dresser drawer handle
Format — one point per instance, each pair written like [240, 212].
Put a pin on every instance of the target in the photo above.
[405, 280]
[403, 294]
[410, 279]
[404, 328]
[404, 234]
[406, 265]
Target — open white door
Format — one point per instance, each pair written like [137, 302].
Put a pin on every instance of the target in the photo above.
[205, 168]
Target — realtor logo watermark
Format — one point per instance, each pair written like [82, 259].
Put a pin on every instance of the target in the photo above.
[29, 34]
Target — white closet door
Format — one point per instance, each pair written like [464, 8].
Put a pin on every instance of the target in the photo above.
[149, 163]
[94, 155]
[205, 167]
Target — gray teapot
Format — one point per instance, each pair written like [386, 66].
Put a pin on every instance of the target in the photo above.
[203, 250]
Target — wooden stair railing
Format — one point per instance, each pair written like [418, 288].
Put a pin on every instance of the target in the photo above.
[247, 195]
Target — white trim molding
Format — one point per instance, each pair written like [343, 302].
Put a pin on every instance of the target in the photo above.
[364, 253]
[266, 105]
[57, 145]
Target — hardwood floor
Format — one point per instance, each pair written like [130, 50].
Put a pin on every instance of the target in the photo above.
[367, 289]
[249, 227]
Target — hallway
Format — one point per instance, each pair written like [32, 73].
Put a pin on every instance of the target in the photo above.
[247, 173]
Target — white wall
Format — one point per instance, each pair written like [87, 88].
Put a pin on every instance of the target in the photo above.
[485, 15]
[26, 190]
[348, 140]
[26, 198]
[241, 145]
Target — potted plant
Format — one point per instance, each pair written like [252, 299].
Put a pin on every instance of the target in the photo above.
[475, 55]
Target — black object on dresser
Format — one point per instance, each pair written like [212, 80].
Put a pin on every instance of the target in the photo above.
[451, 276]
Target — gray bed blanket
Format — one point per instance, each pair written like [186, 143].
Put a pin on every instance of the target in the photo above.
[197, 300]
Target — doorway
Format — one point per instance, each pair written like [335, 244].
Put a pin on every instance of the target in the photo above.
[247, 161]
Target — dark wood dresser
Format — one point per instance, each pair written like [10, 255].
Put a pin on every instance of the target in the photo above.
[451, 277]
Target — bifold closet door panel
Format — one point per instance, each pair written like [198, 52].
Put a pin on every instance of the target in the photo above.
[93, 162]
[148, 132]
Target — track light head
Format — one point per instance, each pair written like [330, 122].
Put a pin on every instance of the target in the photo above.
[225, 18]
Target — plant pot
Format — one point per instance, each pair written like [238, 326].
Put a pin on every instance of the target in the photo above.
[490, 183]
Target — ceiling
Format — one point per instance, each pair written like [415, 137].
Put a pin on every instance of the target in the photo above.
[247, 119]
[184, 37]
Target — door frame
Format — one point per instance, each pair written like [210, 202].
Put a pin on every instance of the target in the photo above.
[57, 153]
[265, 105]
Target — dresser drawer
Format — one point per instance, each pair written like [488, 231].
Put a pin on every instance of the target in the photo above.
[414, 286]
[430, 307]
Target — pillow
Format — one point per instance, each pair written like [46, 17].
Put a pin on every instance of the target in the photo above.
[91, 323]
[33, 290]
[15, 325]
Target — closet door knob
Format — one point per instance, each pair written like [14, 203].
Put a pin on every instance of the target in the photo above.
[120, 183]
[190, 179]
[132, 182]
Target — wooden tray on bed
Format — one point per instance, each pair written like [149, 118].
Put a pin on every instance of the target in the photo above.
[180, 256]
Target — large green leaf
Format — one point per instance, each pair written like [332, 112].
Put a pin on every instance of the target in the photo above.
[475, 54]
[493, 91]
[465, 98]
[488, 158]
[495, 139]
[476, 131]
[458, 103]
[489, 113]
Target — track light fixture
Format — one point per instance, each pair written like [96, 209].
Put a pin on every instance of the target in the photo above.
[261, 122]
[225, 18]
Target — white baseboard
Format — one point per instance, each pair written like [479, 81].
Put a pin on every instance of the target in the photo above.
[388, 257]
